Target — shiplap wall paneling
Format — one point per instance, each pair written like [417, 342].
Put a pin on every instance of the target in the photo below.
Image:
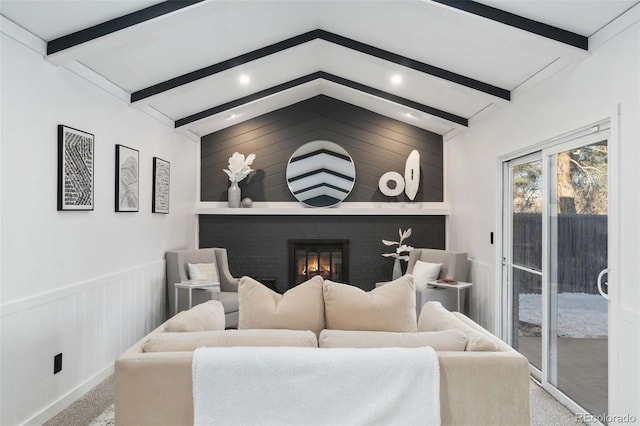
[91, 324]
[482, 299]
[376, 143]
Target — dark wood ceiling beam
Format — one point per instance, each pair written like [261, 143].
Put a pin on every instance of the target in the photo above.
[246, 99]
[517, 21]
[397, 99]
[416, 65]
[328, 37]
[116, 24]
[328, 77]
[223, 66]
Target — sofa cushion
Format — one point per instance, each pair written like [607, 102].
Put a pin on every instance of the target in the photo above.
[203, 271]
[186, 342]
[205, 316]
[435, 317]
[300, 308]
[391, 307]
[446, 340]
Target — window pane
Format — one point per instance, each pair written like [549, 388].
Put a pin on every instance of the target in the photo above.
[527, 215]
[527, 309]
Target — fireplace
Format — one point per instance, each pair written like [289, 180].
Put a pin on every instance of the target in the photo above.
[327, 258]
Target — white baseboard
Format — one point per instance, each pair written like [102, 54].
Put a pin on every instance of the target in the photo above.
[71, 396]
[91, 322]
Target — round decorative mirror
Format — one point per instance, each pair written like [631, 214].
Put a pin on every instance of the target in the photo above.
[320, 174]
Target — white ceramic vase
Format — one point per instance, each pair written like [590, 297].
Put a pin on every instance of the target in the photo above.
[234, 195]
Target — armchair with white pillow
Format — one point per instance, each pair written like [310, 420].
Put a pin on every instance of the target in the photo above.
[432, 264]
[210, 264]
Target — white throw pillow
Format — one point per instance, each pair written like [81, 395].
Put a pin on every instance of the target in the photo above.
[423, 272]
[204, 271]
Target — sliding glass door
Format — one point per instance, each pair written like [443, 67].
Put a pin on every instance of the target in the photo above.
[523, 259]
[555, 233]
[577, 343]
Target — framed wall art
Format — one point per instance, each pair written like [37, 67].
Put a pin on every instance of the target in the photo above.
[127, 182]
[75, 169]
[161, 178]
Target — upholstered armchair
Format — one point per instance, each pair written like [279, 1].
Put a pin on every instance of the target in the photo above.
[177, 271]
[455, 266]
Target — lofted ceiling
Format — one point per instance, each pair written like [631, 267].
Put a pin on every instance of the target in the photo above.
[201, 66]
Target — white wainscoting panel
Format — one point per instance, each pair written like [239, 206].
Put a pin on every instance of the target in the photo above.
[90, 323]
[482, 300]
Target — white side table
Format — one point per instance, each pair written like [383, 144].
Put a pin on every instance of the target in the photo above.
[459, 286]
[196, 284]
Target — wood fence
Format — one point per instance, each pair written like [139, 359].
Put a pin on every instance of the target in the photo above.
[580, 250]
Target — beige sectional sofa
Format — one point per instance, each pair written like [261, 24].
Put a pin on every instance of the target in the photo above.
[483, 381]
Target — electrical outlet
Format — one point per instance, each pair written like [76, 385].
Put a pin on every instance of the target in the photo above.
[57, 363]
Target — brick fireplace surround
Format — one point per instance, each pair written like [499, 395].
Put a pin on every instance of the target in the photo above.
[257, 245]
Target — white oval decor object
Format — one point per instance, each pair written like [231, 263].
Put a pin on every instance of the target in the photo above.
[412, 174]
[383, 184]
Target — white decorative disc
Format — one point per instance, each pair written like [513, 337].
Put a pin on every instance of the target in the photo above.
[383, 184]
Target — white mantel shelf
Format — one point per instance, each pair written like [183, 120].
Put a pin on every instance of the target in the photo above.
[353, 209]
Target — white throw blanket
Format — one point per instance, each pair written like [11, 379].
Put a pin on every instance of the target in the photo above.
[307, 386]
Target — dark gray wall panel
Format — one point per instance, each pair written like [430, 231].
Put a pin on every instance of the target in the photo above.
[377, 144]
[257, 245]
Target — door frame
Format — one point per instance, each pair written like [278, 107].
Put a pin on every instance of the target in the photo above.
[507, 243]
[609, 128]
[549, 209]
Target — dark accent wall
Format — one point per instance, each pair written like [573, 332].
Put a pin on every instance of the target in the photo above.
[376, 143]
[257, 245]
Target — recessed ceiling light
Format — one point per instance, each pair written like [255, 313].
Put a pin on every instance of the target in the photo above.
[396, 79]
[244, 79]
[408, 115]
[232, 116]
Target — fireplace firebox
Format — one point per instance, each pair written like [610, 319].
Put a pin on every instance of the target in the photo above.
[327, 258]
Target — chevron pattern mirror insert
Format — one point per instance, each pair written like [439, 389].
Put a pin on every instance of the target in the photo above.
[320, 174]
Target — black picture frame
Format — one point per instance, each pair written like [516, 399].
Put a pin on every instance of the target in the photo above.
[161, 186]
[127, 180]
[76, 169]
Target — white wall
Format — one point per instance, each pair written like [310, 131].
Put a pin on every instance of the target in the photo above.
[87, 284]
[582, 94]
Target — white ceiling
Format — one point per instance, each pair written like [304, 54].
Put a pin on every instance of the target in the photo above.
[213, 31]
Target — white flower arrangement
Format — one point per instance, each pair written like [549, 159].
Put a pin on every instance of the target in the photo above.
[239, 166]
[402, 248]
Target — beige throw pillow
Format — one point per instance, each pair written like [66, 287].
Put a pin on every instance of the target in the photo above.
[204, 272]
[203, 317]
[391, 307]
[300, 308]
[435, 317]
[446, 340]
[187, 342]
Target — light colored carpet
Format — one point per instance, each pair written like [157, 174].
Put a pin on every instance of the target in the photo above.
[94, 404]
[546, 410]
[107, 418]
[96, 409]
